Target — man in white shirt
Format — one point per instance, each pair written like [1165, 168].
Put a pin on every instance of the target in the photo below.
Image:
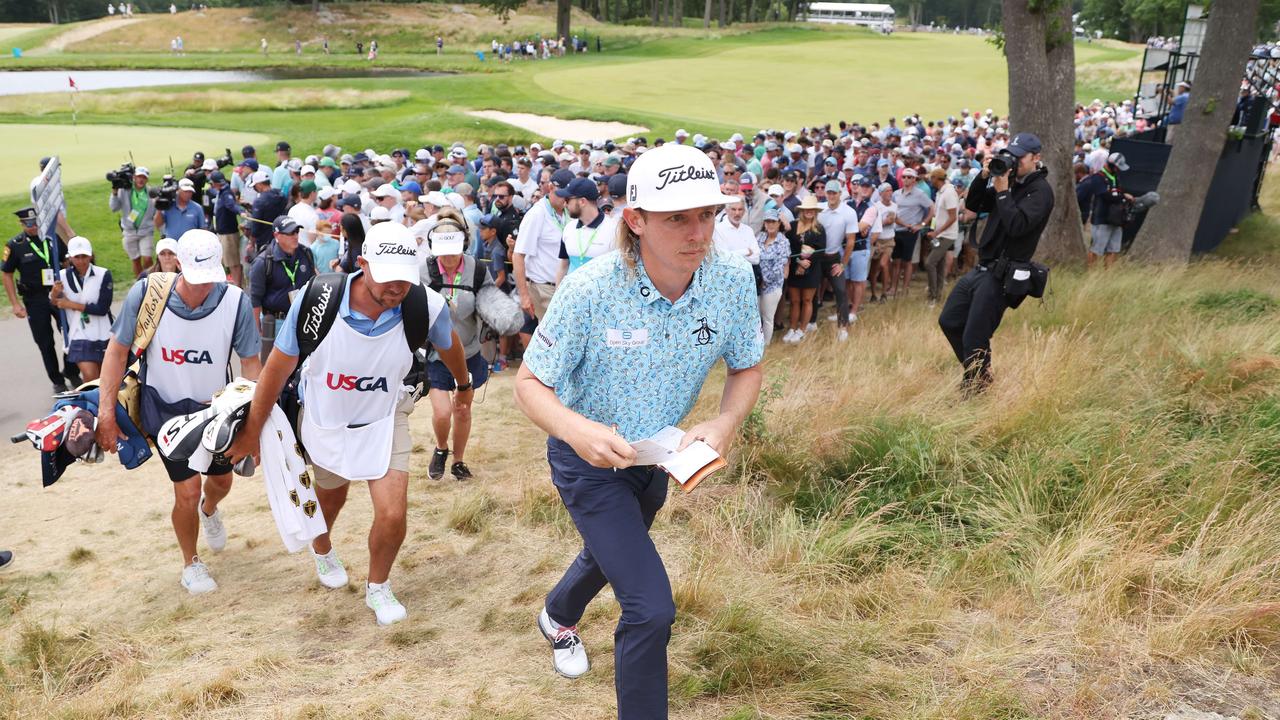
[735, 237]
[524, 183]
[304, 213]
[840, 223]
[536, 260]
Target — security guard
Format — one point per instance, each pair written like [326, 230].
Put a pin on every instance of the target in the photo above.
[622, 352]
[37, 262]
[282, 268]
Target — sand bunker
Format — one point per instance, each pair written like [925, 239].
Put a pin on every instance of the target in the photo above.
[556, 128]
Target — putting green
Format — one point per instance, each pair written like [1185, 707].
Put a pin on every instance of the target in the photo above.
[859, 76]
[87, 152]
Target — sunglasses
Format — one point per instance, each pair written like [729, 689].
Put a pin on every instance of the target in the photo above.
[500, 196]
[28, 223]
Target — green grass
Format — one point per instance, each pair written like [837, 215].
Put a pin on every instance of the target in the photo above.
[88, 151]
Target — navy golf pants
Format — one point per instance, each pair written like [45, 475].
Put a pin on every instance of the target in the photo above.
[613, 512]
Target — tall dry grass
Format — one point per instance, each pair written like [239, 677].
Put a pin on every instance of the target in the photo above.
[147, 102]
[1096, 537]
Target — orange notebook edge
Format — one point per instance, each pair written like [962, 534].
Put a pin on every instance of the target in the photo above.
[707, 470]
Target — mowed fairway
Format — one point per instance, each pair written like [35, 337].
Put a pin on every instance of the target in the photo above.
[89, 151]
[853, 75]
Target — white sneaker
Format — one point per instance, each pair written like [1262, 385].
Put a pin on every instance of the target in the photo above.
[853, 318]
[810, 327]
[384, 604]
[215, 533]
[831, 317]
[842, 335]
[330, 569]
[568, 654]
[799, 337]
[790, 337]
[196, 578]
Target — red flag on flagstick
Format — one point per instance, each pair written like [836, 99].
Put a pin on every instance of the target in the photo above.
[73, 82]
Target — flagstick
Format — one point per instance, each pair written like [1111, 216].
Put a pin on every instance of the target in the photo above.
[75, 127]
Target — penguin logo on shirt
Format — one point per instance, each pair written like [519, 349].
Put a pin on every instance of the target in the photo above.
[309, 508]
[702, 335]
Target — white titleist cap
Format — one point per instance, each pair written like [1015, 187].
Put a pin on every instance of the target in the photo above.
[392, 253]
[674, 177]
[200, 254]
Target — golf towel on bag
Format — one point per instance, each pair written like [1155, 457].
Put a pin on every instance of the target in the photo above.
[289, 489]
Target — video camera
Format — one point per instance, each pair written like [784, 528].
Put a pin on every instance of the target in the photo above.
[121, 179]
[1001, 163]
[166, 194]
[225, 159]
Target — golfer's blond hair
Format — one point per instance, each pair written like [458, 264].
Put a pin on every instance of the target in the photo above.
[628, 243]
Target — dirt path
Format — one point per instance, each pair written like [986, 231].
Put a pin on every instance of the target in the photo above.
[96, 553]
[554, 127]
[84, 32]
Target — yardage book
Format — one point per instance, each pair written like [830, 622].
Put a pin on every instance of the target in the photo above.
[688, 467]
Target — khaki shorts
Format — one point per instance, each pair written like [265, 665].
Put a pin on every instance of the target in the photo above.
[542, 293]
[230, 250]
[138, 246]
[401, 445]
[883, 245]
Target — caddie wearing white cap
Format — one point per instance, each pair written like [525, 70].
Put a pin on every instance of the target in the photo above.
[354, 422]
[185, 363]
[623, 352]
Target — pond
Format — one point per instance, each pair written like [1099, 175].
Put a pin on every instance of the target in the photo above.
[17, 82]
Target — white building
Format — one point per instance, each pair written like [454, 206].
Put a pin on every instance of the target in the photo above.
[868, 14]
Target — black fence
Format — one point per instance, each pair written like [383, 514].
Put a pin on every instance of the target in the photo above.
[1233, 183]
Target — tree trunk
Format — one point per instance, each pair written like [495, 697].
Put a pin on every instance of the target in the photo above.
[706, 16]
[315, 6]
[1170, 228]
[677, 13]
[564, 8]
[654, 20]
[1040, 56]
[723, 21]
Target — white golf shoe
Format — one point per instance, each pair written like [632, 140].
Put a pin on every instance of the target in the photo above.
[196, 578]
[384, 604]
[568, 654]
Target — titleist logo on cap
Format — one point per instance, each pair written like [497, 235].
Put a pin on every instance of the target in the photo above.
[681, 173]
[388, 248]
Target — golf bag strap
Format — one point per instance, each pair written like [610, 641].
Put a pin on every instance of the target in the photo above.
[159, 285]
[319, 309]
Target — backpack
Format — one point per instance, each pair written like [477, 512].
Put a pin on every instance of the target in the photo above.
[436, 281]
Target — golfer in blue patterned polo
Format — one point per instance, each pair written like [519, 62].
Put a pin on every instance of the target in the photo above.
[623, 351]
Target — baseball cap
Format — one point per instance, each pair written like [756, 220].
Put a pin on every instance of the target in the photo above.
[580, 188]
[282, 145]
[259, 176]
[295, 165]
[325, 193]
[411, 186]
[392, 253]
[78, 246]
[459, 153]
[379, 214]
[489, 221]
[386, 190]
[674, 177]
[285, 225]
[883, 186]
[186, 184]
[200, 253]
[167, 244]
[618, 185]
[308, 170]
[349, 201]
[248, 151]
[863, 180]
[435, 197]
[251, 163]
[142, 171]
[771, 214]
[456, 170]
[1024, 143]
[682, 133]
[307, 187]
[209, 164]
[446, 238]
[833, 186]
[562, 178]
[217, 177]
[1118, 160]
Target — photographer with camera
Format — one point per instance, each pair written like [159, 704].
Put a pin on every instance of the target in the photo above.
[1015, 190]
[180, 214]
[132, 199]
